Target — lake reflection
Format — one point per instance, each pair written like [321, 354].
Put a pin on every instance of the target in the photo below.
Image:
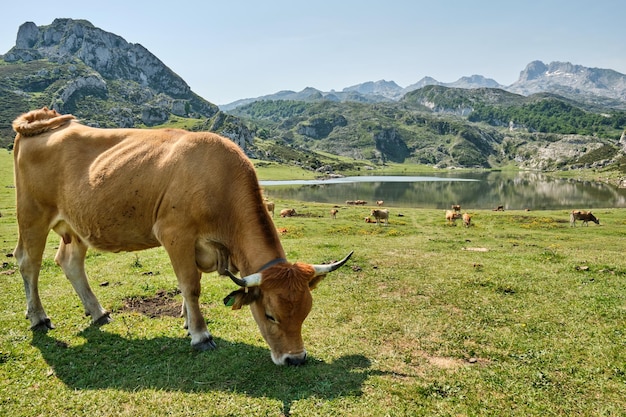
[481, 190]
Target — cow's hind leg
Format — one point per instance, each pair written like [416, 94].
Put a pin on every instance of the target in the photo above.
[28, 254]
[71, 258]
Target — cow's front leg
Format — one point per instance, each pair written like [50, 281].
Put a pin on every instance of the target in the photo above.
[28, 256]
[201, 338]
[188, 275]
[71, 258]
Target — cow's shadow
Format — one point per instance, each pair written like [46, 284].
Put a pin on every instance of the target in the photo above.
[108, 360]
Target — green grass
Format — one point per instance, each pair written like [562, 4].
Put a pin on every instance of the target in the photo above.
[517, 315]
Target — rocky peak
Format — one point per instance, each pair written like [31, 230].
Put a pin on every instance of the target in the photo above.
[570, 80]
[382, 88]
[475, 81]
[532, 71]
[106, 53]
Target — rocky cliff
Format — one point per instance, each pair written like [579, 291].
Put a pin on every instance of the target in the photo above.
[77, 68]
[572, 81]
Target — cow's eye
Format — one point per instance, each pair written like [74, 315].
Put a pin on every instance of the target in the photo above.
[270, 318]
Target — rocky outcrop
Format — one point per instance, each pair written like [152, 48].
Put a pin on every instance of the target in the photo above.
[570, 80]
[391, 146]
[108, 54]
[106, 81]
[153, 90]
[321, 127]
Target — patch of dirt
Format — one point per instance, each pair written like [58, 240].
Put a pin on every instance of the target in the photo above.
[163, 303]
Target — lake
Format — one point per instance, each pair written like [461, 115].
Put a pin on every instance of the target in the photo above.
[476, 190]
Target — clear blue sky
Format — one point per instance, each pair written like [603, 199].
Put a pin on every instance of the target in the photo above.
[234, 49]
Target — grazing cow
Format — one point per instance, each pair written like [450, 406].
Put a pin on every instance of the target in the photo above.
[195, 194]
[381, 215]
[456, 207]
[287, 212]
[270, 207]
[499, 208]
[585, 216]
[467, 219]
[380, 203]
[333, 213]
[452, 216]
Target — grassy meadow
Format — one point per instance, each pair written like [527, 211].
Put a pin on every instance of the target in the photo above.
[517, 315]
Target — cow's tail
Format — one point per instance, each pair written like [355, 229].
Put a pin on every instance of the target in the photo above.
[40, 121]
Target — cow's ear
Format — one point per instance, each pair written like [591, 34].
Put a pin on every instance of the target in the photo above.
[316, 280]
[241, 297]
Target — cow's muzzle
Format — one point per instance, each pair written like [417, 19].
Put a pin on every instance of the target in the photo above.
[295, 360]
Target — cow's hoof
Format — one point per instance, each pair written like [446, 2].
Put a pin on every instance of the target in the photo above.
[104, 319]
[42, 326]
[208, 344]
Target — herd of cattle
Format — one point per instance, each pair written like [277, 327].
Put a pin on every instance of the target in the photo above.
[133, 189]
[381, 216]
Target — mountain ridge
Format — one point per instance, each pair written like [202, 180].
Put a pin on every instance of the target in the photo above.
[590, 85]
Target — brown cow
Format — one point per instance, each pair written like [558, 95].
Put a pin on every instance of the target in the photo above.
[585, 216]
[270, 207]
[452, 216]
[380, 203]
[287, 212]
[195, 194]
[333, 213]
[467, 219]
[456, 207]
[499, 208]
[381, 215]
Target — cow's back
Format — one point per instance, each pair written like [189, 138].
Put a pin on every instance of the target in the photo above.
[113, 186]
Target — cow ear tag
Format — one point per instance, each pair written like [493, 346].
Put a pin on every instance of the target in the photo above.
[229, 300]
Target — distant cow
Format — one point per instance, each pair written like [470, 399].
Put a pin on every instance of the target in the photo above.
[467, 219]
[499, 208]
[585, 216]
[270, 206]
[381, 215]
[456, 207]
[452, 216]
[380, 203]
[356, 202]
[333, 213]
[287, 212]
[368, 219]
[194, 193]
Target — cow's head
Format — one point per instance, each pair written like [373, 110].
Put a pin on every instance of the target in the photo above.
[280, 299]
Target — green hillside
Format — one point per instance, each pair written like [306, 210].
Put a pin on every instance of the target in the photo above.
[445, 127]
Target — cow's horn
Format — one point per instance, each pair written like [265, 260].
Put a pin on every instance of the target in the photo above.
[248, 281]
[325, 269]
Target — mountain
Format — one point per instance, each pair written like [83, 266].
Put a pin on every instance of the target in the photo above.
[310, 94]
[387, 89]
[75, 67]
[367, 92]
[591, 86]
